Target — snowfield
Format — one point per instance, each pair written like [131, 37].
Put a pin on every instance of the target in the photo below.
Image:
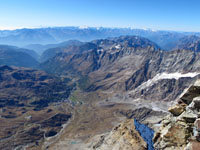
[165, 75]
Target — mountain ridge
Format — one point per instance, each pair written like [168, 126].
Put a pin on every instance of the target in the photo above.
[22, 37]
[11, 55]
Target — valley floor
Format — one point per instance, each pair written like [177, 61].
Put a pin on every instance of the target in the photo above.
[93, 119]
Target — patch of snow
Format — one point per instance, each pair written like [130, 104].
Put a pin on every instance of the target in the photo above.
[177, 75]
[98, 28]
[83, 27]
[28, 117]
[117, 46]
[99, 51]
[165, 75]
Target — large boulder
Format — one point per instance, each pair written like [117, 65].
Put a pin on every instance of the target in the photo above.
[177, 109]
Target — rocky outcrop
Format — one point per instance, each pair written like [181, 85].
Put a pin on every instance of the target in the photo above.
[122, 137]
[177, 109]
[181, 129]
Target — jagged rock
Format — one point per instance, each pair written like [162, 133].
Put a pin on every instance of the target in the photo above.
[188, 116]
[196, 102]
[122, 137]
[194, 91]
[172, 135]
[181, 132]
[177, 109]
[165, 122]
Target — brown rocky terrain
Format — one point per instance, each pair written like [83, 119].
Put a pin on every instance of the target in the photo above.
[28, 87]
[124, 136]
[30, 107]
[180, 130]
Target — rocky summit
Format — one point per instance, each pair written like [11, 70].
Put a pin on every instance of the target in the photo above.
[181, 129]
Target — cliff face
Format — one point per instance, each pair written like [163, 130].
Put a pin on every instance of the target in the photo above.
[181, 129]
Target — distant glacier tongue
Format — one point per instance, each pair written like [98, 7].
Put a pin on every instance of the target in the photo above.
[146, 133]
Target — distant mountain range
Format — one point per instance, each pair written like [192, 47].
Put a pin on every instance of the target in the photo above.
[69, 46]
[24, 37]
[39, 48]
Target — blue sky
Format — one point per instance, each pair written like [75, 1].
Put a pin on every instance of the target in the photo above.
[180, 15]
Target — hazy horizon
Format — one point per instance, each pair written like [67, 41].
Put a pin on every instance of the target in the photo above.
[173, 15]
[85, 27]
